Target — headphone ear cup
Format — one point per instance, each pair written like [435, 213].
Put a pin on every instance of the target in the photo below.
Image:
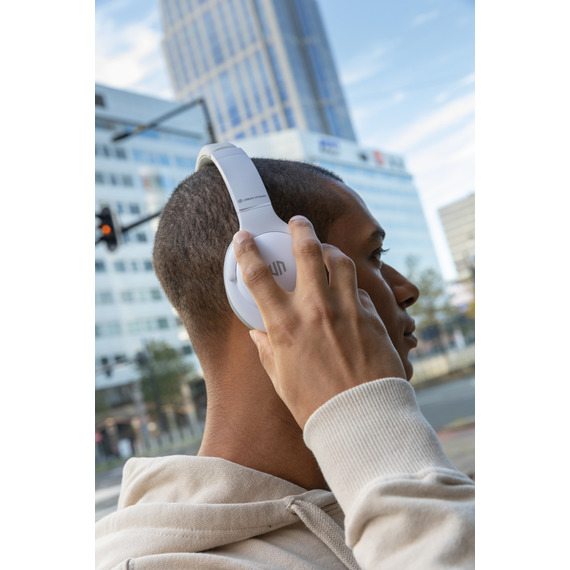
[276, 249]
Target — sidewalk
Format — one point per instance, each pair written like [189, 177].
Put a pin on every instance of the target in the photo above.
[458, 441]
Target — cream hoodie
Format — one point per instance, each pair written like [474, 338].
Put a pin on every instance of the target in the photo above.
[405, 505]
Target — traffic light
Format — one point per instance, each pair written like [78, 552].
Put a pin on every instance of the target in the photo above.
[110, 228]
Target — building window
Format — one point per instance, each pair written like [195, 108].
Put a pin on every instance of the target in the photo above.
[99, 265]
[213, 38]
[253, 84]
[121, 153]
[226, 31]
[111, 328]
[155, 294]
[134, 209]
[276, 121]
[127, 296]
[99, 101]
[99, 178]
[190, 51]
[237, 28]
[248, 20]
[231, 103]
[198, 37]
[289, 117]
[127, 180]
[243, 93]
[278, 74]
[265, 79]
[141, 237]
[120, 266]
[104, 297]
[147, 264]
[162, 323]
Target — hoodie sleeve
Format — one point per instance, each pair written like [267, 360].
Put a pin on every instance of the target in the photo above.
[406, 505]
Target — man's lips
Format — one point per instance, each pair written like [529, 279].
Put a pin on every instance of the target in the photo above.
[408, 333]
[410, 328]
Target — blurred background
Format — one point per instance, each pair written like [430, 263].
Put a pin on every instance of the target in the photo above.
[381, 93]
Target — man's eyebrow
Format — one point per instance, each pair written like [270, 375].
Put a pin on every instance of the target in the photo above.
[378, 233]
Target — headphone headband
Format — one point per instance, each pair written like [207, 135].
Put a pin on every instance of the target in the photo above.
[244, 185]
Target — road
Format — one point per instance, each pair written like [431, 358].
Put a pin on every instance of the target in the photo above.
[446, 403]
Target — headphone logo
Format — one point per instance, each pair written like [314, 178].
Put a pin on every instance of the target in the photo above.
[277, 268]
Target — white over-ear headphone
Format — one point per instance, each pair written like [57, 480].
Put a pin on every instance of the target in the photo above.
[255, 215]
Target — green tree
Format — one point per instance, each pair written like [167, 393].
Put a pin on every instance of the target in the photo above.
[162, 372]
[433, 309]
[102, 408]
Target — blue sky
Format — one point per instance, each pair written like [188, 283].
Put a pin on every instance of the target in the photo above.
[407, 69]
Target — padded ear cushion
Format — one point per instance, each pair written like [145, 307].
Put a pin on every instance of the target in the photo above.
[276, 249]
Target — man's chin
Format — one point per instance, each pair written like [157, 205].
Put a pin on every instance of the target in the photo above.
[409, 369]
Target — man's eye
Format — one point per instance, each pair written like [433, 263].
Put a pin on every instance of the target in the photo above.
[377, 253]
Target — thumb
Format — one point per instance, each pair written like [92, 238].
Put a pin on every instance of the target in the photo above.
[261, 341]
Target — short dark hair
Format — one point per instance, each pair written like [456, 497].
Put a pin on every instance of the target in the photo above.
[199, 221]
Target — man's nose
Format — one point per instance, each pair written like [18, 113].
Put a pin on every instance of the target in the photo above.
[404, 290]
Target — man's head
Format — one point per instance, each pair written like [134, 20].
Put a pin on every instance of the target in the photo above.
[199, 221]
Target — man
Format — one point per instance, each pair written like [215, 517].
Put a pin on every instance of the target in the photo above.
[315, 411]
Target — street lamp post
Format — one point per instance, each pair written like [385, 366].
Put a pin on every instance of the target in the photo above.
[145, 127]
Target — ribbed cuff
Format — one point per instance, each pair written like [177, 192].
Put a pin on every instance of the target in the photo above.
[375, 430]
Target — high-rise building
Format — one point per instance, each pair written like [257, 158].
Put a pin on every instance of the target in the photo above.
[134, 177]
[380, 178]
[262, 65]
[458, 221]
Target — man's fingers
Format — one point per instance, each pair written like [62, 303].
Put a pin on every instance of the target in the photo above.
[255, 272]
[308, 253]
[341, 271]
[265, 351]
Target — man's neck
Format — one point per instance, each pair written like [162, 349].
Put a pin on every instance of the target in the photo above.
[248, 424]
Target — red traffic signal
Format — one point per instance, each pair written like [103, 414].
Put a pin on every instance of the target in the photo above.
[110, 228]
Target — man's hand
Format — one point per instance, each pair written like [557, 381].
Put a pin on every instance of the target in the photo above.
[324, 337]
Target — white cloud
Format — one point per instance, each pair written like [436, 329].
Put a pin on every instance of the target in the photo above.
[363, 66]
[445, 117]
[423, 18]
[362, 114]
[468, 80]
[130, 56]
[456, 144]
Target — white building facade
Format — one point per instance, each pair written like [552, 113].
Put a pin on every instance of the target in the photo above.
[458, 221]
[380, 178]
[134, 177]
[262, 65]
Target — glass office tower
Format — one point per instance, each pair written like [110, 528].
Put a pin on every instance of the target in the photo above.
[261, 65]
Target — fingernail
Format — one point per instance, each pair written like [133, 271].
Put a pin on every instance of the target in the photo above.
[240, 237]
[253, 336]
[295, 218]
